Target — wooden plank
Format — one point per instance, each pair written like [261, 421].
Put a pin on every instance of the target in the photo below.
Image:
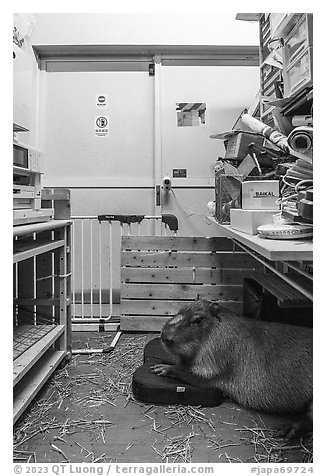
[38, 227]
[142, 323]
[26, 289]
[155, 323]
[25, 362]
[285, 290]
[69, 271]
[181, 291]
[301, 282]
[186, 275]
[162, 307]
[176, 243]
[37, 301]
[55, 194]
[57, 284]
[27, 217]
[23, 251]
[44, 269]
[286, 295]
[61, 263]
[187, 259]
[267, 281]
[28, 387]
[147, 307]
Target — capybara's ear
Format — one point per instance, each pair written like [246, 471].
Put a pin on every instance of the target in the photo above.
[214, 308]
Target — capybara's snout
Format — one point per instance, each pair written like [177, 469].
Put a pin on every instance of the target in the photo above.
[171, 331]
[167, 336]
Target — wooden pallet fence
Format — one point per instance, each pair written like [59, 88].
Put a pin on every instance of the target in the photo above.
[161, 274]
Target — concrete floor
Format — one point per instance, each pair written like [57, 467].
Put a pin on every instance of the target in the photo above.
[86, 413]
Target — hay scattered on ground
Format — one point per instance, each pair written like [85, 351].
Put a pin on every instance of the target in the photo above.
[66, 389]
[179, 414]
[97, 389]
[270, 448]
[177, 449]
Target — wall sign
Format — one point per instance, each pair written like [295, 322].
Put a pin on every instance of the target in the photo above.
[179, 173]
[101, 101]
[101, 126]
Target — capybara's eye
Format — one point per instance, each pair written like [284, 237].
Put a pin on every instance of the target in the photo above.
[168, 341]
[196, 319]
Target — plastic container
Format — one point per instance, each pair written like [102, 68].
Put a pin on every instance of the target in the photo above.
[299, 73]
[298, 40]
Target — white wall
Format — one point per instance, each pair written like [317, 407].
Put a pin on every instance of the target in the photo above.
[226, 91]
[133, 28]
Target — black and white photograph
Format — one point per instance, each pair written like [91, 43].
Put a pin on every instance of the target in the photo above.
[162, 242]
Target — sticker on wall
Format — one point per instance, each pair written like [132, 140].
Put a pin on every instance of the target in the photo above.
[101, 126]
[179, 173]
[190, 114]
[102, 101]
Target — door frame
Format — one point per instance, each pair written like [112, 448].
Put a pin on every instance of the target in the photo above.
[66, 58]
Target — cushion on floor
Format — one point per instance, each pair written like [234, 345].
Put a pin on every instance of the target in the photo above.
[151, 388]
[155, 352]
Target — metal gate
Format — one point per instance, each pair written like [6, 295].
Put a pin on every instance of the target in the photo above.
[96, 242]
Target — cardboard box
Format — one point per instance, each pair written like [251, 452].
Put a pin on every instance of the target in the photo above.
[260, 194]
[237, 144]
[247, 221]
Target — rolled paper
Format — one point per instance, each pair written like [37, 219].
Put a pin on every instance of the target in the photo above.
[272, 134]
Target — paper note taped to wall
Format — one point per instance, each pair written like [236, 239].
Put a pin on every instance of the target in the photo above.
[190, 113]
[101, 126]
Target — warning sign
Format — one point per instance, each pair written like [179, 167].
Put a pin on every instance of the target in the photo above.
[101, 126]
[102, 101]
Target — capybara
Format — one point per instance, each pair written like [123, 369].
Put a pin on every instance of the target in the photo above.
[266, 366]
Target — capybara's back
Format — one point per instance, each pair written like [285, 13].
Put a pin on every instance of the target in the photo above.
[262, 365]
[269, 364]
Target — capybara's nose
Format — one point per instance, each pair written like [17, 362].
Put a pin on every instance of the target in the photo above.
[166, 338]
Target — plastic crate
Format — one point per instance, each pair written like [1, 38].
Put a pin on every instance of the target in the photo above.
[299, 73]
[298, 40]
[227, 196]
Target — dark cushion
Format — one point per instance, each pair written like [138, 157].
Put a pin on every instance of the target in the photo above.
[155, 352]
[151, 388]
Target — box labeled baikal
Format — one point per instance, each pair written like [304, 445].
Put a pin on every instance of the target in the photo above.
[260, 195]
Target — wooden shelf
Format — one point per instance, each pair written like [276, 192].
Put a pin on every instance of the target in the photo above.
[286, 295]
[273, 250]
[27, 359]
[25, 250]
[23, 216]
[42, 336]
[23, 171]
[39, 227]
[33, 381]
